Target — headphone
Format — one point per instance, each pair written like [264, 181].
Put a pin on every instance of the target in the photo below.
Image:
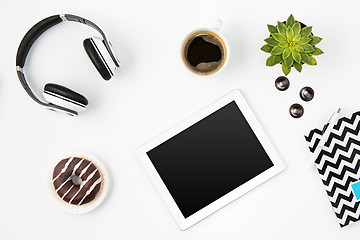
[59, 97]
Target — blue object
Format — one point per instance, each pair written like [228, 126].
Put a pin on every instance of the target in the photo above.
[356, 189]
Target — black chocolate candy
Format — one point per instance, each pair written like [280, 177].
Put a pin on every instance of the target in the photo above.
[282, 83]
[296, 110]
[307, 94]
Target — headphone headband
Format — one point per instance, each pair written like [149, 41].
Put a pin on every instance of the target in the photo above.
[39, 28]
[35, 32]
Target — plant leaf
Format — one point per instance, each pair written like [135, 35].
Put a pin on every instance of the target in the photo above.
[286, 53]
[308, 48]
[297, 38]
[312, 61]
[290, 21]
[279, 37]
[297, 66]
[296, 28]
[272, 29]
[281, 28]
[277, 50]
[305, 58]
[271, 41]
[270, 61]
[283, 44]
[306, 31]
[285, 69]
[267, 48]
[289, 61]
[290, 33]
[304, 40]
[296, 56]
[315, 40]
[278, 59]
[317, 51]
[299, 48]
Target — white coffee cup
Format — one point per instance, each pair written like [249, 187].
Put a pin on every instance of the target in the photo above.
[207, 31]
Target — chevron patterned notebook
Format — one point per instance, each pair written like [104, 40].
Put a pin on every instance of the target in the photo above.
[338, 164]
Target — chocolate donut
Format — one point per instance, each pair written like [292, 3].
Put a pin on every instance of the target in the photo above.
[77, 180]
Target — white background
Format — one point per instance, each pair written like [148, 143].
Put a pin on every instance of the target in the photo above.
[152, 92]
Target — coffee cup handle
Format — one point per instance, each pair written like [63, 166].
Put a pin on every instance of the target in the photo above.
[219, 23]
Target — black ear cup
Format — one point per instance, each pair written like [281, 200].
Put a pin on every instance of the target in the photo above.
[65, 97]
[97, 58]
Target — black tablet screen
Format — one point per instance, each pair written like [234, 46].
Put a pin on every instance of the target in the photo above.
[209, 159]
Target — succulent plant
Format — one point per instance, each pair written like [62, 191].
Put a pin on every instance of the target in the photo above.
[292, 44]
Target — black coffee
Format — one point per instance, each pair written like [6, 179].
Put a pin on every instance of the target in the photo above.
[204, 53]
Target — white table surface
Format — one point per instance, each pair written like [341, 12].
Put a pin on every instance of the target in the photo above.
[152, 92]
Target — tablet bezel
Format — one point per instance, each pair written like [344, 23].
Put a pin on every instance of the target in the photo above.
[240, 101]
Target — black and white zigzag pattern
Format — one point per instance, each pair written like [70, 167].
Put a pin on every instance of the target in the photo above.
[339, 166]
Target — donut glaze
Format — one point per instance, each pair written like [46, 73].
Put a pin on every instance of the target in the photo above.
[87, 190]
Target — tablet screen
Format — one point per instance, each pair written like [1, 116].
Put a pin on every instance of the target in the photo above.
[209, 159]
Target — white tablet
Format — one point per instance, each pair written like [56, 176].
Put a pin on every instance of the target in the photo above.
[209, 159]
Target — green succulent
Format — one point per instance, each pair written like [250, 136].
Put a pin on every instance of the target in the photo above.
[291, 45]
